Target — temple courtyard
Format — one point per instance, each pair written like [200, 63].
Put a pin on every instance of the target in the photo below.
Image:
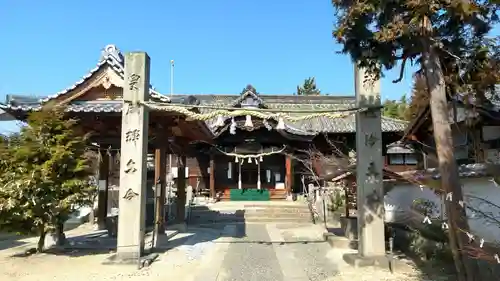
[223, 252]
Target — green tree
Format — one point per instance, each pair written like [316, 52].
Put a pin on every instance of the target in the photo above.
[45, 175]
[308, 88]
[395, 109]
[438, 35]
[391, 109]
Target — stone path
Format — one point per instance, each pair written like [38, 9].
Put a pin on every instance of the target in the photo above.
[250, 257]
[261, 252]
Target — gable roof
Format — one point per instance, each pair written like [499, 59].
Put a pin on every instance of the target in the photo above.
[110, 57]
[249, 92]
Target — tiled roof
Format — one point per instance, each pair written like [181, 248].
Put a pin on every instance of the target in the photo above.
[104, 106]
[306, 127]
[491, 104]
[113, 58]
[292, 102]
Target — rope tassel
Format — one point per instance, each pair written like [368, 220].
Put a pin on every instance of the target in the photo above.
[248, 122]
[281, 124]
[220, 121]
[232, 129]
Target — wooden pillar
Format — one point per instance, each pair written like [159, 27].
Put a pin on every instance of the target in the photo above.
[102, 201]
[348, 188]
[258, 174]
[212, 177]
[288, 174]
[181, 189]
[160, 189]
[240, 185]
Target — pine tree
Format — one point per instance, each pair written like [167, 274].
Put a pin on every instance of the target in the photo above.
[45, 175]
[308, 88]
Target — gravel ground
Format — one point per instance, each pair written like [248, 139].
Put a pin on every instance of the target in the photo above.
[178, 263]
[252, 252]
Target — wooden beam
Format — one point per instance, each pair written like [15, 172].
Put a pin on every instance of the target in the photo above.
[181, 189]
[102, 199]
[160, 189]
[288, 174]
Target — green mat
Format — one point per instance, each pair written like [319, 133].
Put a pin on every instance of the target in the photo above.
[249, 195]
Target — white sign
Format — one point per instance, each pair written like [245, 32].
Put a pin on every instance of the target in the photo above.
[173, 170]
[277, 177]
[102, 185]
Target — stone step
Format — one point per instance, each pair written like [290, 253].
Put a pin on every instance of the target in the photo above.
[246, 219]
[195, 217]
[257, 212]
[250, 220]
[250, 212]
[253, 207]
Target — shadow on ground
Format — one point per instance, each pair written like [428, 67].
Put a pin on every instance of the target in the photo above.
[11, 243]
[214, 227]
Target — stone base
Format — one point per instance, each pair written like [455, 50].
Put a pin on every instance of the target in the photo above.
[350, 227]
[131, 259]
[356, 260]
[179, 227]
[340, 242]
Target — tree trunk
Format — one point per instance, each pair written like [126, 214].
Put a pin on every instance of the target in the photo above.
[457, 220]
[41, 240]
[61, 237]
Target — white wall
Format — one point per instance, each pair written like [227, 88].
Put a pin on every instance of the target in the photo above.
[399, 200]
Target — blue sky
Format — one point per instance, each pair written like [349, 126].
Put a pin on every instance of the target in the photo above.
[219, 46]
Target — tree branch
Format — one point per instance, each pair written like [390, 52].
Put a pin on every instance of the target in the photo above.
[401, 70]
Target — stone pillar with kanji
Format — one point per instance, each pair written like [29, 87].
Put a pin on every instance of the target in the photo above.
[369, 173]
[134, 145]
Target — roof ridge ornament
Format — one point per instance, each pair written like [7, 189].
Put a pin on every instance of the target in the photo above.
[250, 88]
[111, 51]
[249, 97]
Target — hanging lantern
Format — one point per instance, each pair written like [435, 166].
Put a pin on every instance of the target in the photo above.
[248, 122]
[281, 124]
[232, 129]
[220, 121]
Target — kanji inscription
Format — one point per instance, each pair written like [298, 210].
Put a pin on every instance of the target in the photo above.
[372, 174]
[132, 135]
[130, 194]
[370, 139]
[133, 81]
[130, 167]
